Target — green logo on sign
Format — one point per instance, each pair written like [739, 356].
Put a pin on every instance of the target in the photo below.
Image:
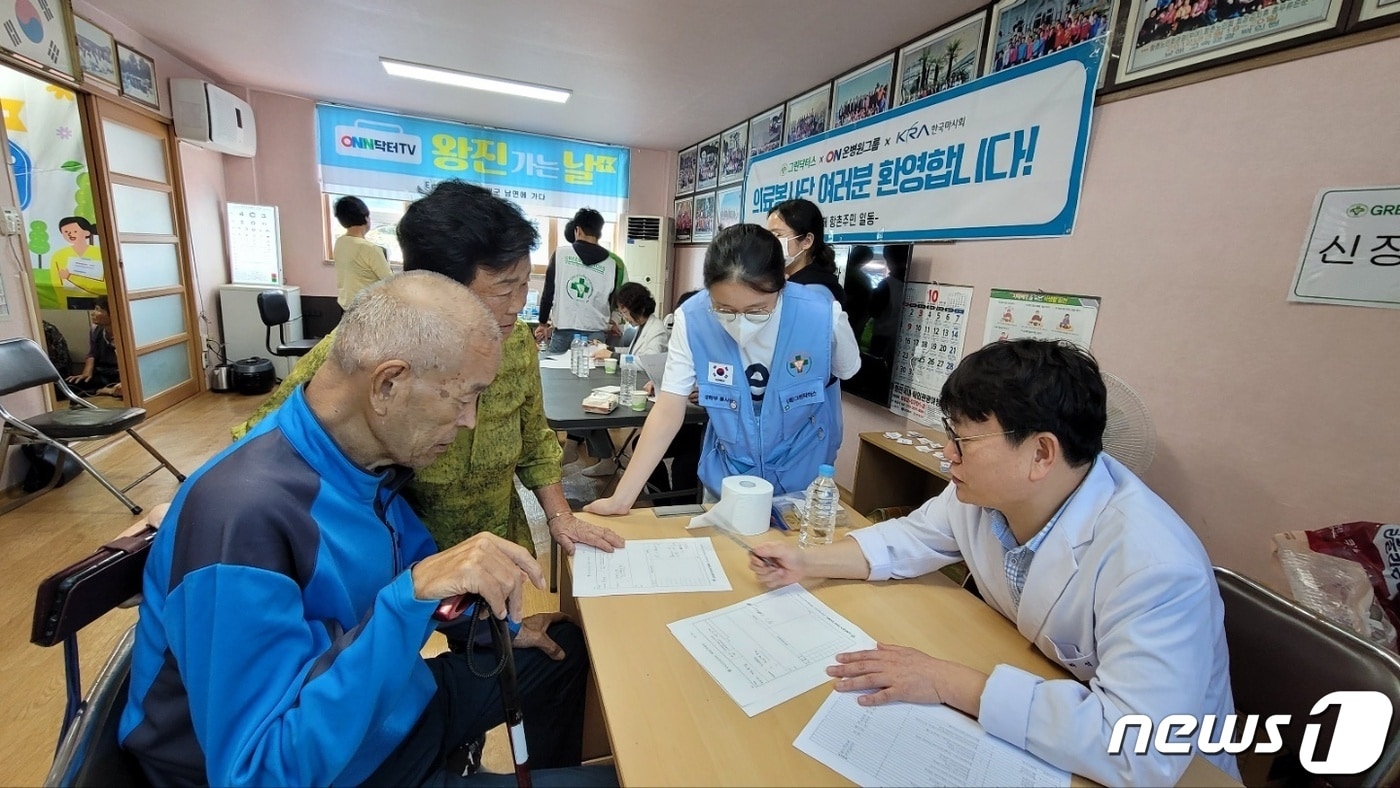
[579, 288]
[1357, 210]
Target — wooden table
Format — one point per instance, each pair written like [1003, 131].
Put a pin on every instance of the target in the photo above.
[563, 402]
[669, 723]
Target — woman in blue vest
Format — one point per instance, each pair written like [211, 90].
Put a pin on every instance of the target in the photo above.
[766, 356]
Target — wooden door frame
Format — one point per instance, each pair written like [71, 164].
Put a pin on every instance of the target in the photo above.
[99, 108]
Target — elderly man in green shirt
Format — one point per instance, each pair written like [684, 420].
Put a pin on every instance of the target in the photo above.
[466, 233]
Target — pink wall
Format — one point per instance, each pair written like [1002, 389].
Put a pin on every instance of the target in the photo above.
[1270, 416]
[204, 207]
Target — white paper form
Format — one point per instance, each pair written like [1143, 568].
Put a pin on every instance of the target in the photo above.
[649, 566]
[915, 744]
[560, 361]
[770, 648]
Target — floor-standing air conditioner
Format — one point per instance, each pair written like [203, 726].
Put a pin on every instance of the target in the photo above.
[648, 255]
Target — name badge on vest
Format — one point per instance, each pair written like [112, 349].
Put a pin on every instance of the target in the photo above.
[722, 374]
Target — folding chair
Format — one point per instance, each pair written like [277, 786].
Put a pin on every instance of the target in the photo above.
[24, 365]
[273, 310]
[1283, 659]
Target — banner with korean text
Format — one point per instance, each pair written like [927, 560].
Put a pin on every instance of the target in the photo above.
[999, 157]
[378, 154]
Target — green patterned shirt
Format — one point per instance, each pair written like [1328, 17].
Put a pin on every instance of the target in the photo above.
[469, 489]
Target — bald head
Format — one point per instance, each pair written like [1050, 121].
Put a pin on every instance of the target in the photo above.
[421, 318]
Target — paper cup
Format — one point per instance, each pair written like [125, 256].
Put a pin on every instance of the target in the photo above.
[610, 366]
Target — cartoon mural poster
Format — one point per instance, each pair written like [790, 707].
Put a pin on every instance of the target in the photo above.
[55, 192]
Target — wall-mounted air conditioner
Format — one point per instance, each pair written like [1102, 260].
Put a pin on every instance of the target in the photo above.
[648, 255]
[211, 117]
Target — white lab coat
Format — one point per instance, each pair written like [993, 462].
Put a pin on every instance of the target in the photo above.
[1120, 593]
[651, 338]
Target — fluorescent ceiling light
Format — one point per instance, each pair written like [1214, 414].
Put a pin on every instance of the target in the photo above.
[461, 79]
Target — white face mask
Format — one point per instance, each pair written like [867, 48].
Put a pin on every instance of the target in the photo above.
[741, 330]
[787, 258]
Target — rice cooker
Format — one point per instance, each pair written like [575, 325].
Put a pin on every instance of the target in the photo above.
[254, 375]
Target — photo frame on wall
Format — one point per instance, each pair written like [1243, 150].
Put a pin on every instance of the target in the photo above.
[1020, 31]
[766, 131]
[863, 93]
[1161, 43]
[945, 58]
[39, 33]
[733, 154]
[97, 52]
[684, 213]
[685, 170]
[702, 228]
[138, 75]
[729, 207]
[1372, 13]
[807, 114]
[707, 165]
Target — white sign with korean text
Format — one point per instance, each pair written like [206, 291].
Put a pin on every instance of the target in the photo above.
[1352, 255]
[1015, 314]
[999, 157]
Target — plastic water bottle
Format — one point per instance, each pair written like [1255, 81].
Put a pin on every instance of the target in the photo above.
[629, 380]
[576, 356]
[819, 519]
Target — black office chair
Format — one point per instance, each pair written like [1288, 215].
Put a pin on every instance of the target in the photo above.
[272, 308]
[24, 365]
[1283, 659]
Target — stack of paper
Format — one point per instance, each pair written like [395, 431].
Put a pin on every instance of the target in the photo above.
[649, 566]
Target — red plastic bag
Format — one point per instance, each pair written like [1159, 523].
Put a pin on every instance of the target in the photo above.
[1374, 547]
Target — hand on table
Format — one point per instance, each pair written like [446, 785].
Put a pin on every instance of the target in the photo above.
[602, 352]
[486, 565]
[534, 634]
[788, 565]
[78, 378]
[612, 506]
[900, 673]
[568, 530]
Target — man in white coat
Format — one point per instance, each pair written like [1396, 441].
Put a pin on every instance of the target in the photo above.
[1096, 570]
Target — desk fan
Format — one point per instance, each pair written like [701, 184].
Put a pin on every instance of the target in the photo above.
[1129, 436]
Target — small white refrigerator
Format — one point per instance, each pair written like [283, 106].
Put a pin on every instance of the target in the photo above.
[244, 332]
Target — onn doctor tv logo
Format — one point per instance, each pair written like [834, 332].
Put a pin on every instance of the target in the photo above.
[382, 141]
[1358, 737]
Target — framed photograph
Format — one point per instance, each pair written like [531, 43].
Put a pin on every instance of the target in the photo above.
[38, 32]
[684, 219]
[1022, 30]
[863, 93]
[685, 171]
[138, 74]
[707, 165]
[1162, 38]
[702, 229]
[733, 153]
[943, 59]
[729, 207]
[766, 131]
[97, 52]
[807, 114]
[1372, 13]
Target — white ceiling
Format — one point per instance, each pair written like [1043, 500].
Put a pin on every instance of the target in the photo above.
[646, 73]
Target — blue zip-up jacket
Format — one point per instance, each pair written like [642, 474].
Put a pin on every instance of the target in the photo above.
[279, 636]
[798, 426]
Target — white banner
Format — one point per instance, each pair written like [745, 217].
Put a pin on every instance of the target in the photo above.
[999, 157]
[1352, 255]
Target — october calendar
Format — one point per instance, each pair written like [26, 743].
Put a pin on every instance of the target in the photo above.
[934, 324]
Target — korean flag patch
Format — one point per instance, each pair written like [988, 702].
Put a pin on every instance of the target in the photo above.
[722, 374]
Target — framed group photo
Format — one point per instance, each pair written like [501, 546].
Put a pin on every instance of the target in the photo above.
[685, 171]
[97, 52]
[863, 93]
[733, 154]
[1024, 30]
[684, 219]
[138, 74]
[1162, 37]
[702, 228]
[729, 207]
[807, 114]
[707, 165]
[1370, 13]
[945, 58]
[766, 131]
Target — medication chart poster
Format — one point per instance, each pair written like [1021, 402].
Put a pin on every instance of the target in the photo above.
[1352, 253]
[1014, 314]
[999, 157]
[933, 326]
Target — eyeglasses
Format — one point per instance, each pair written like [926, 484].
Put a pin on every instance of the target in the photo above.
[956, 440]
[755, 316]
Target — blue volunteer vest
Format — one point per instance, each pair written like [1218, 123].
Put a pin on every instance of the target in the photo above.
[798, 424]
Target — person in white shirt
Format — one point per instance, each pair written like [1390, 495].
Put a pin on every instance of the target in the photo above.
[358, 263]
[1096, 570]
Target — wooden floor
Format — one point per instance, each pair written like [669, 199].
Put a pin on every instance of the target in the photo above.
[69, 523]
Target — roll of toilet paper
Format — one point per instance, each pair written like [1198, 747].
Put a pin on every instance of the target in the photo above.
[745, 503]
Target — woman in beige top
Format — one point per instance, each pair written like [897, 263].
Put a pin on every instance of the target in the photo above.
[358, 263]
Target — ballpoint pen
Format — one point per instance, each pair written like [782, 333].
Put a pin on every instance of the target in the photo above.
[733, 537]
